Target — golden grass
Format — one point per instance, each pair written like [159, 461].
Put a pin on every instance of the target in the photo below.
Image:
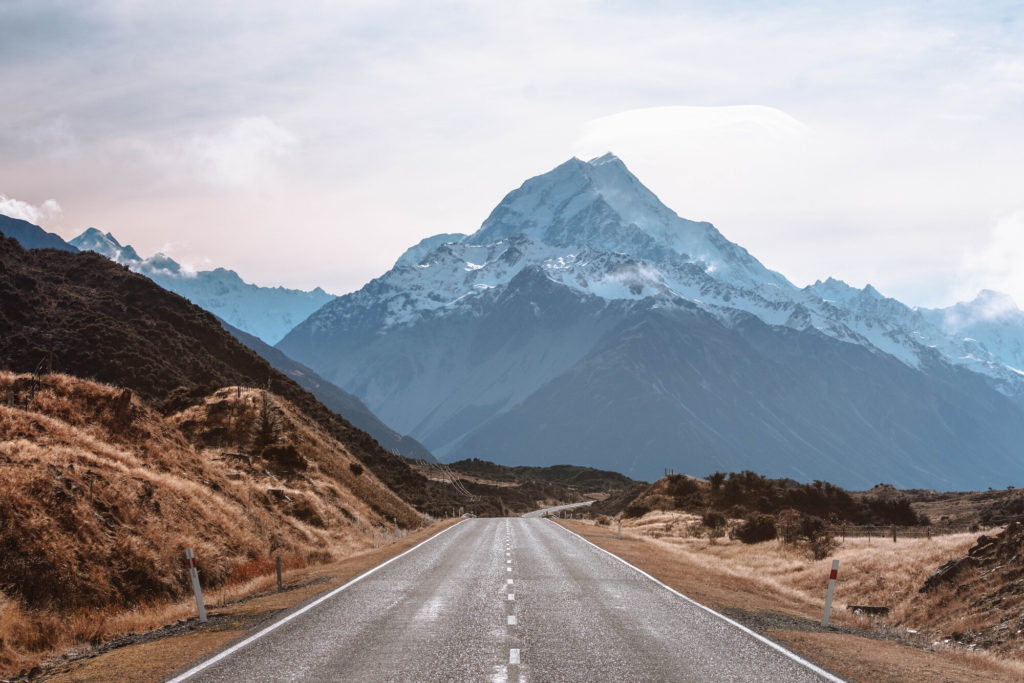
[96, 510]
[774, 577]
[871, 571]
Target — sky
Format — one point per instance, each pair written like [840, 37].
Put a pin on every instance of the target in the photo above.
[310, 143]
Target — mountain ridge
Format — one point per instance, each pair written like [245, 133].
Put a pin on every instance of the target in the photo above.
[266, 312]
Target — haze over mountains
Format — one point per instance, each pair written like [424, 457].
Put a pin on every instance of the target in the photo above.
[586, 322]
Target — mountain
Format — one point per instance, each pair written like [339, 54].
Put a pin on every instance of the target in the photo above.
[334, 398]
[587, 322]
[83, 315]
[267, 312]
[31, 236]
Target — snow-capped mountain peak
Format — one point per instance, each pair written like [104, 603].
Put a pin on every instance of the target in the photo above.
[105, 244]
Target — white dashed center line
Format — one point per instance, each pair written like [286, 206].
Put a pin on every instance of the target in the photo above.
[513, 656]
[512, 620]
[511, 596]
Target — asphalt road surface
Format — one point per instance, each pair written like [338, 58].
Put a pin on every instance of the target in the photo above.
[504, 599]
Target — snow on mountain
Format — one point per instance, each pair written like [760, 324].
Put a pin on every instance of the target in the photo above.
[594, 227]
[988, 331]
[582, 286]
[266, 312]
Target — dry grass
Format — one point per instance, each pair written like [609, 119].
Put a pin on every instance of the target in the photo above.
[98, 502]
[871, 571]
[776, 577]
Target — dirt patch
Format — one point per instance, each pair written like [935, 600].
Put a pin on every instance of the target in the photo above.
[154, 655]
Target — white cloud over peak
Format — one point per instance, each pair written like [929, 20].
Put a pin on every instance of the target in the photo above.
[43, 214]
[996, 263]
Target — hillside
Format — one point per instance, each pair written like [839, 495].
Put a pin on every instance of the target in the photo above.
[100, 494]
[745, 494]
[86, 316]
[335, 398]
[584, 479]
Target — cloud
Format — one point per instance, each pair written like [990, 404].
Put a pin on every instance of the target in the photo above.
[996, 264]
[244, 154]
[46, 213]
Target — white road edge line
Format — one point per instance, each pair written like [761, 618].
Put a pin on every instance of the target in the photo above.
[284, 620]
[795, 657]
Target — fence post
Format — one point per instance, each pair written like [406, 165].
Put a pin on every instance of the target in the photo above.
[280, 587]
[620, 528]
[190, 557]
[831, 591]
[893, 533]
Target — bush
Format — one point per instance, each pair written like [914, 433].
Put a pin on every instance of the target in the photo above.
[283, 458]
[355, 468]
[756, 528]
[603, 520]
[636, 510]
[713, 519]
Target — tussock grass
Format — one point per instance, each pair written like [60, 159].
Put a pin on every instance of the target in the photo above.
[100, 495]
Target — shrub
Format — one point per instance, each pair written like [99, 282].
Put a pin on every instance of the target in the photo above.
[603, 520]
[635, 509]
[283, 458]
[355, 468]
[756, 528]
[713, 519]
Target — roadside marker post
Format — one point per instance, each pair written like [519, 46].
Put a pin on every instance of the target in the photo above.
[280, 587]
[831, 591]
[190, 557]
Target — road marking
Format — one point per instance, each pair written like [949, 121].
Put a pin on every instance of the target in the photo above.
[284, 620]
[508, 569]
[513, 656]
[511, 596]
[757, 636]
[510, 582]
[511, 620]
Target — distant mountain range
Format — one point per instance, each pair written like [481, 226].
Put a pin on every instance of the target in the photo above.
[586, 322]
[266, 312]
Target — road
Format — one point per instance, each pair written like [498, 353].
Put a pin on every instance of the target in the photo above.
[512, 599]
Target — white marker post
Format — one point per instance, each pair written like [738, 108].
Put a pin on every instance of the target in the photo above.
[190, 557]
[831, 591]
